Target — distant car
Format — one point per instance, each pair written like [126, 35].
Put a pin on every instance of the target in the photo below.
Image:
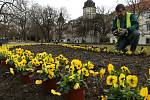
[3, 40]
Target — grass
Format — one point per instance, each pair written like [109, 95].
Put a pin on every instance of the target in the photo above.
[112, 47]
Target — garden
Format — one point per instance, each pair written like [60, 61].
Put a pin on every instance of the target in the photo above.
[71, 72]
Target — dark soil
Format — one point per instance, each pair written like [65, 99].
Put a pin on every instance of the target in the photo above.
[11, 87]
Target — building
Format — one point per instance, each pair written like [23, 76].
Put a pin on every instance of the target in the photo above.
[145, 23]
[84, 29]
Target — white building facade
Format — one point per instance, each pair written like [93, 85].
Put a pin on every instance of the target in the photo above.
[145, 28]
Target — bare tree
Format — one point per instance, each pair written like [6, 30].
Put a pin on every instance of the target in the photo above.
[136, 6]
[14, 13]
[35, 18]
[103, 25]
[49, 19]
[82, 29]
[35, 22]
[8, 6]
[21, 18]
[42, 20]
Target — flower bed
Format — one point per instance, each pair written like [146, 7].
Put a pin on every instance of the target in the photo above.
[91, 75]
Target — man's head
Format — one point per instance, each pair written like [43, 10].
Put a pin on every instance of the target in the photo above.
[120, 10]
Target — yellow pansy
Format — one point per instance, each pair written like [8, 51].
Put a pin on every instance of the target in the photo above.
[23, 57]
[19, 64]
[143, 51]
[51, 67]
[30, 57]
[105, 49]
[102, 72]
[85, 72]
[44, 65]
[125, 69]
[91, 72]
[23, 62]
[132, 80]
[79, 75]
[11, 70]
[46, 70]
[144, 93]
[147, 98]
[103, 97]
[90, 65]
[55, 93]
[51, 74]
[48, 60]
[57, 64]
[129, 52]
[111, 80]
[39, 71]
[56, 58]
[7, 61]
[45, 60]
[50, 55]
[15, 56]
[110, 68]
[76, 86]
[44, 54]
[19, 51]
[122, 79]
[65, 60]
[84, 65]
[34, 61]
[77, 63]
[67, 67]
[60, 56]
[71, 69]
[95, 74]
[37, 63]
[30, 69]
[28, 53]
[38, 82]
[79, 72]
[71, 77]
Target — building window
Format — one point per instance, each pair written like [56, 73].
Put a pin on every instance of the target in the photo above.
[114, 41]
[144, 27]
[148, 27]
[148, 15]
[147, 40]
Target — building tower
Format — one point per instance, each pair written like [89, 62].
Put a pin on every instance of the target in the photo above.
[89, 10]
[60, 23]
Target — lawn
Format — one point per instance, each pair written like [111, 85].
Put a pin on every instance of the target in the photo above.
[112, 47]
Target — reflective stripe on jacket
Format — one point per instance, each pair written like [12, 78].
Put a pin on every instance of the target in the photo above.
[128, 21]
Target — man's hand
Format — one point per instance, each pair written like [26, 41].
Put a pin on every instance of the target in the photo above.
[122, 32]
[115, 32]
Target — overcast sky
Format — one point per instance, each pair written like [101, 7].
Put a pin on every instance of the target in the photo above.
[75, 7]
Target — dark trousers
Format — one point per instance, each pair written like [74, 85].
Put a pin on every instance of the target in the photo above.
[132, 39]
